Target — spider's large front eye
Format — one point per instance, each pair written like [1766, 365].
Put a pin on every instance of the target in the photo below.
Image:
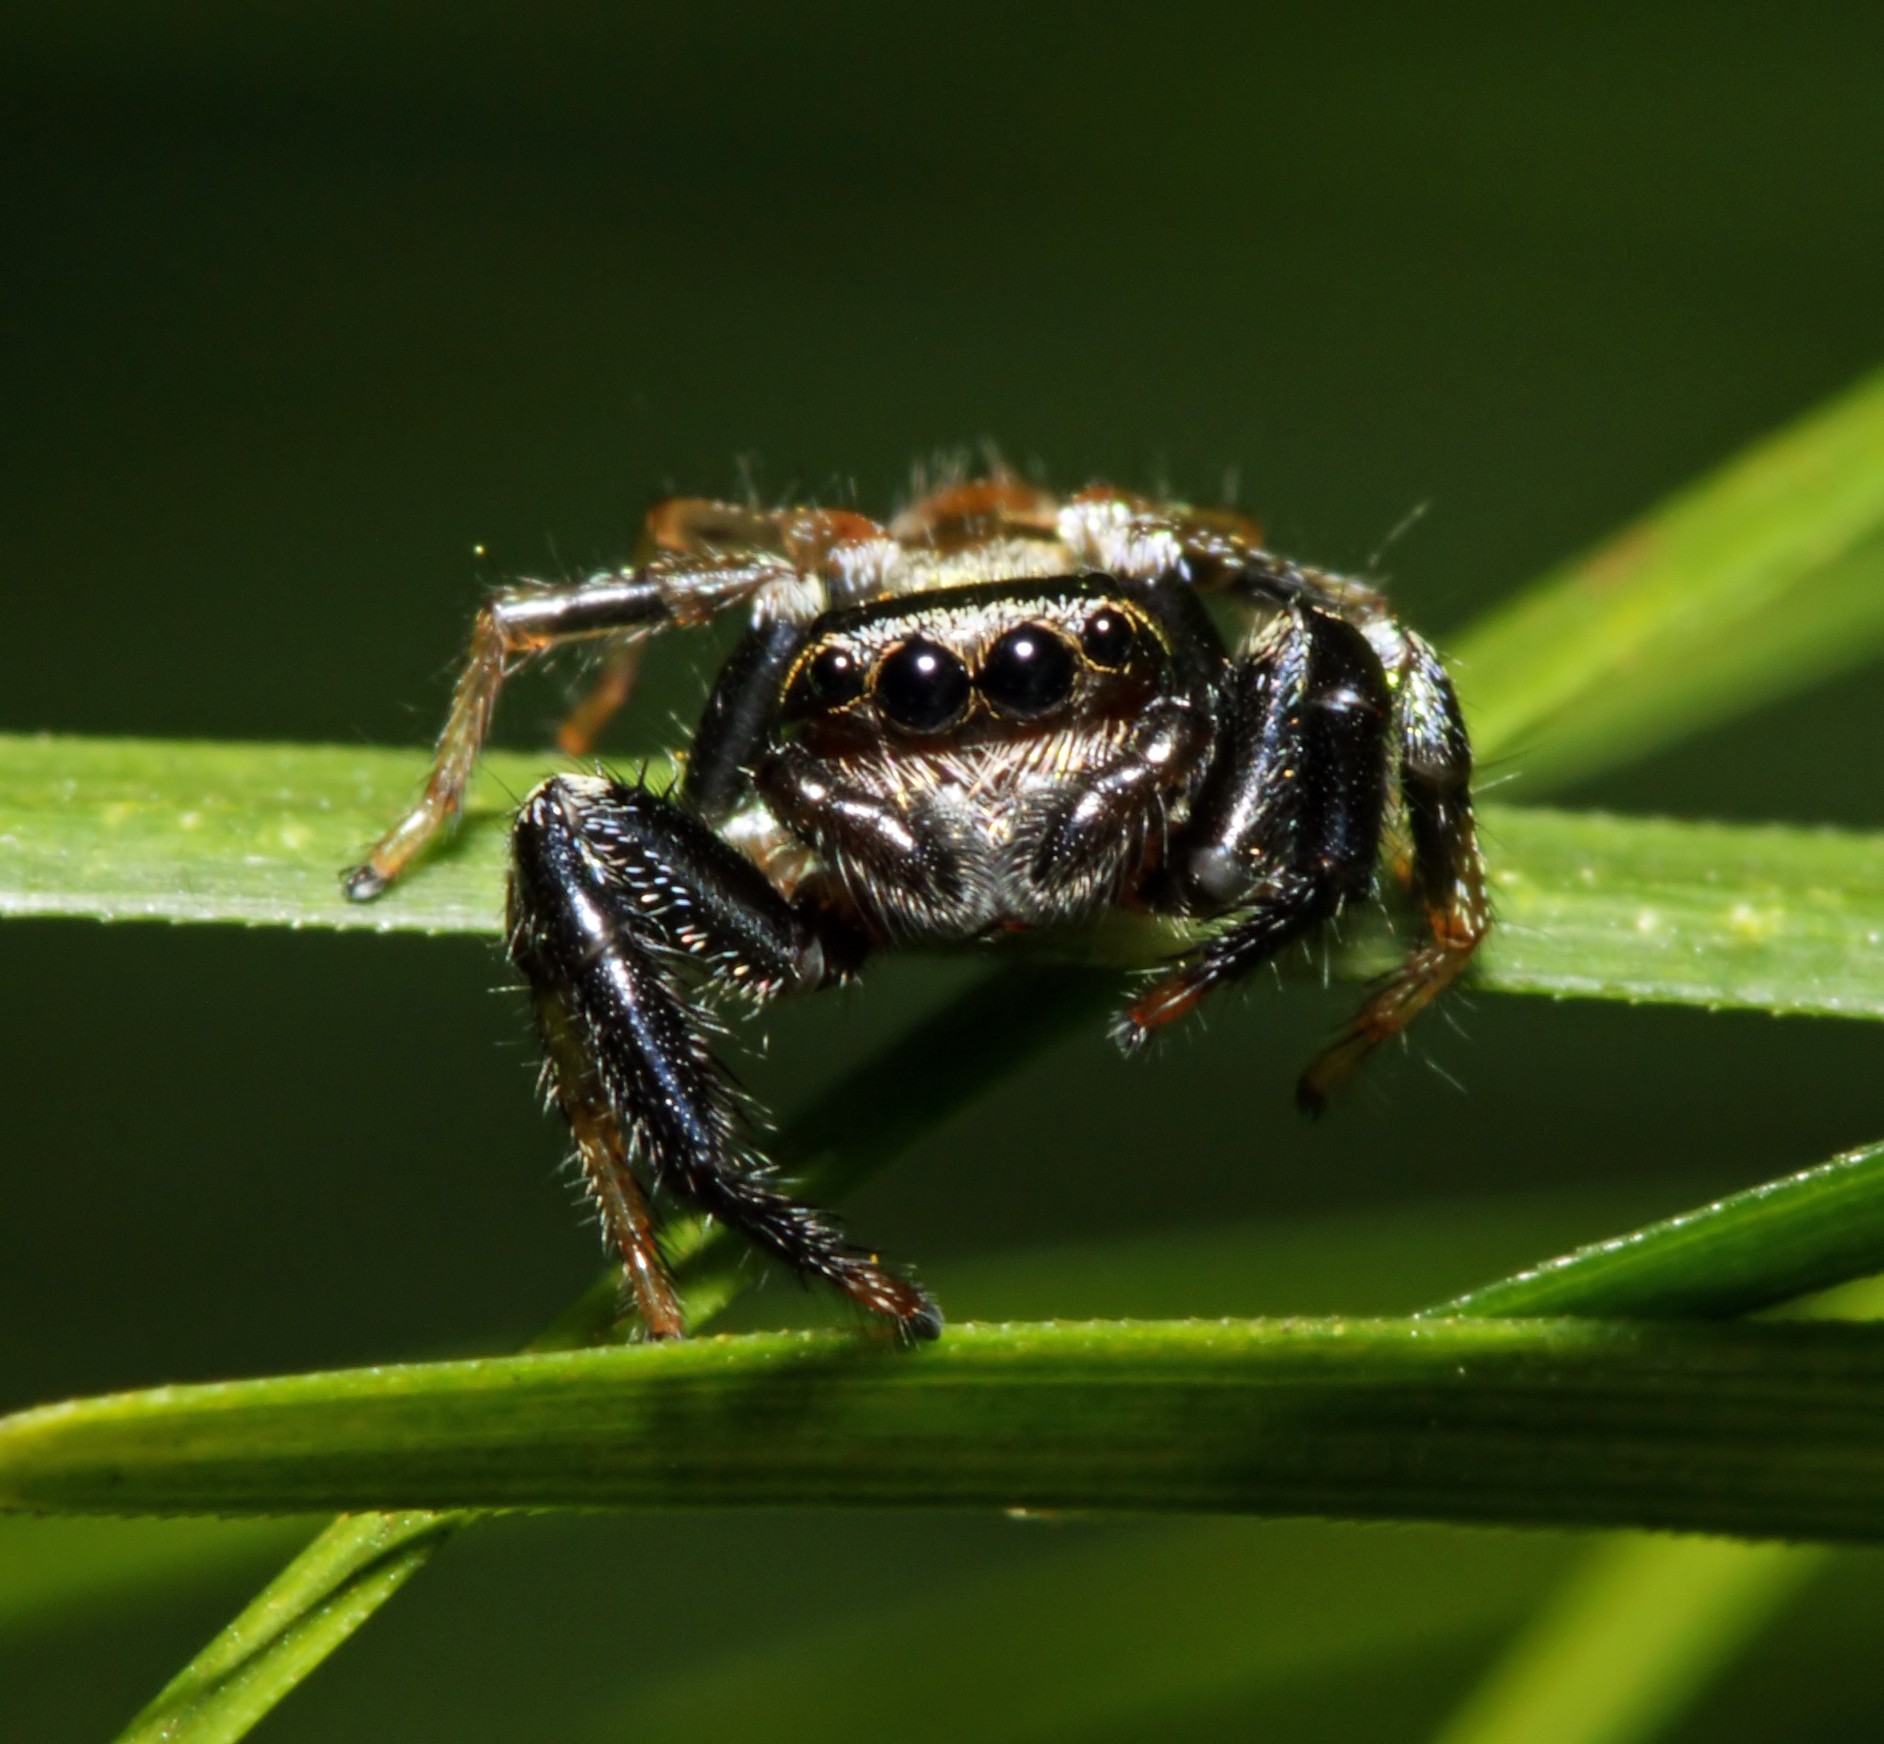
[1027, 672]
[922, 686]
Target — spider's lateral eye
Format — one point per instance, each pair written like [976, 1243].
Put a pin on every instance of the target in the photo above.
[835, 677]
[922, 686]
[1027, 672]
[1106, 637]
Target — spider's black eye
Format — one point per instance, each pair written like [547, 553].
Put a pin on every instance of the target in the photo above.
[1107, 637]
[922, 687]
[1027, 672]
[834, 678]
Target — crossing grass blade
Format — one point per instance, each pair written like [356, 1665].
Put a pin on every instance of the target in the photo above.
[1757, 580]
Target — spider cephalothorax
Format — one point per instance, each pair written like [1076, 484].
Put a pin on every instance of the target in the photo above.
[1003, 712]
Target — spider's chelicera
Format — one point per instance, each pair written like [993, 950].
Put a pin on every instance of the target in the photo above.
[1003, 712]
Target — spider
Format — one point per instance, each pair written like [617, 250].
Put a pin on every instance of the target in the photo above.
[1001, 712]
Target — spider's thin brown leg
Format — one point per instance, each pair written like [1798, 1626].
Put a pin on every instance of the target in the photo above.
[706, 557]
[519, 624]
[1448, 872]
[627, 1218]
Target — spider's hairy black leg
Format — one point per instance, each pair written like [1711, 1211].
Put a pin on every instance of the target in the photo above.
[523, 622]
[613, 890]
[1287, 828]
[1435, 759]
[738, 713]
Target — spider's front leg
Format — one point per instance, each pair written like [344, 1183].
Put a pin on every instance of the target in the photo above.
[615, 894]
[1287, 827]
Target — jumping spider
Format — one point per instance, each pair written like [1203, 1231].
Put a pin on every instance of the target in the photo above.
[1001, 713]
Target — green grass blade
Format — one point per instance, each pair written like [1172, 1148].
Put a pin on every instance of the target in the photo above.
[1772, 919]
[1761, 577]
[1761, 1430]
[1772, 1243]
[1705, 914]
[1631, 1639]
[307, 1611]
[132, 829]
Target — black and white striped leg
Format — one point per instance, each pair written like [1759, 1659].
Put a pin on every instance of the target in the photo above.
[615, 894]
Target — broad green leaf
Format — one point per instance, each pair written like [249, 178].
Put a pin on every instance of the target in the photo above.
[1711, 914]
[1761, 577]
[1759, 1430]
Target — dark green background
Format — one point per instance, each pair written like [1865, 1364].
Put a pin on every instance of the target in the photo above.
[302, 304]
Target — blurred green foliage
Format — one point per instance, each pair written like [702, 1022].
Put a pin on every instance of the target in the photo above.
[302, 305]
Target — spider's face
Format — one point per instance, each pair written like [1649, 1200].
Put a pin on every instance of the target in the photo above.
[942, 751]
[972, 666]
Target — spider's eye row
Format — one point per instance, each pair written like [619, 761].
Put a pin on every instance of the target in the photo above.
[922, 686]
[1106, 637]
[1027, 672]
[835, 677]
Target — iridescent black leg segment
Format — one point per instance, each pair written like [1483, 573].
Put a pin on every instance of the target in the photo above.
[1287, 829]
[1448, 875]
[614, 893]
[739, 711]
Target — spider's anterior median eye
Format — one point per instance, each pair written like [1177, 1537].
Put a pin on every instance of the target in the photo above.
[922, 686]
[835, 677]
[1106, 637]
[1027, 672]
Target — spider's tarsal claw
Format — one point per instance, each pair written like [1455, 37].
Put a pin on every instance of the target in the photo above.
[362, 883]
[924, 1325]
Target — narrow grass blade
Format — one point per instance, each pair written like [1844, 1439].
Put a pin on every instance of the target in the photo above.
[307, 1611]
[1762, 1430]
[1751, 1250]
[1718, 915]
[135, 829]
[1701, 914]
[1764, 575]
